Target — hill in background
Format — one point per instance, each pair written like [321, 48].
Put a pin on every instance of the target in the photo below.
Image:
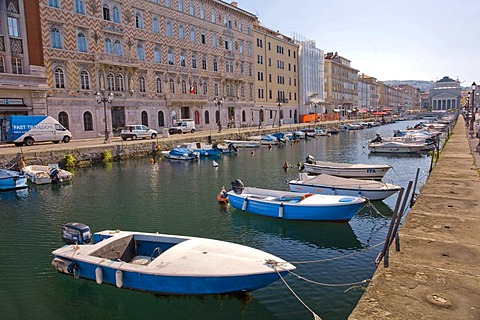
[420, 84]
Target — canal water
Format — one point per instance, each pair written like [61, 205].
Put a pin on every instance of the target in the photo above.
[179, 198]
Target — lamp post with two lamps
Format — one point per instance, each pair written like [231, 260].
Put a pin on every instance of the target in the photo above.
[279, 104]
[472, 120]
[218, 103]
[102, 98]
[315, 105]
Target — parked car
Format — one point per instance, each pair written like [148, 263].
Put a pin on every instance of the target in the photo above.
[137, 131]
[182, 126]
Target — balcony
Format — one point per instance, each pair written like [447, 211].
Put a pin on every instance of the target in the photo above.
[110, 59]
[110, 26]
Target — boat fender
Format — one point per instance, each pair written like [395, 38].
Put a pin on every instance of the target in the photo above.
[119, 278]
[245, 204]
[99, 275]
[63, 265]
[306, 196]
[280, 210]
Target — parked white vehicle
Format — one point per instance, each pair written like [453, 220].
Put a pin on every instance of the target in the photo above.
[137, 131]
[183, 126]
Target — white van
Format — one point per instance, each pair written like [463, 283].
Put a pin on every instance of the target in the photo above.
[182, 126]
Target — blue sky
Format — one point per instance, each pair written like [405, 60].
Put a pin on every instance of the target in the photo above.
[389, 40]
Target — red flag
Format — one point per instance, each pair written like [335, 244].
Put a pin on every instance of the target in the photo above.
[192, 89]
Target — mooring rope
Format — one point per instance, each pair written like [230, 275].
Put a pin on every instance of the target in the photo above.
[315, 316]
[328, 284]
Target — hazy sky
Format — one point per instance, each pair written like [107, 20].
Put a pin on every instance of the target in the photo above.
[386, 39]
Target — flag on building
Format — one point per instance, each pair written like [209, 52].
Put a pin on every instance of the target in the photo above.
[192, 89]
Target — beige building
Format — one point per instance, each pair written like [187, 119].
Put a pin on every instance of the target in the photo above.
[276, 77]
[161, 60]
[341, 84]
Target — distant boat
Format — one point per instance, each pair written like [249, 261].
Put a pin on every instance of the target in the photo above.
[327, 184]
[396, 147]
[203, 149]
[292, 205]
[10, 180]
[244, 143]
[40, 174]
[346, 170]
[166, 264]
[180, 154]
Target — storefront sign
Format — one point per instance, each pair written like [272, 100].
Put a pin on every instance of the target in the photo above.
[10, 102]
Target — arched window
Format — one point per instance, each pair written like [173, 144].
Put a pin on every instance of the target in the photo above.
[217, 116]
[157, 55]
[170, 56]
[169, 28]
[207, 117]
[116, 15]
[158, 85]
[180, 5]
[106, 12]
[202, 12]
[168, 3]
[244, 116]
[182, 58]
[108, 46]
[184, 86]
[117, 48]
[53, 3]
[84, 80]
[242, 91]
[193, 37]
[205, 87]
[110, 82]
[87, 121]
[138, 20]
[55, 38]
[161, 119]
[120, 82]
[195, 88]
[215, 64]
[194, 61]
[145, 118]
[79, 7]
[215, 89]
[156, 25]
[181, 31]
[59, 78]
[140, 52]
[214, 16]
[192, 9]
[141, 84]
[63, 119]
[171, 84]
[204, 63]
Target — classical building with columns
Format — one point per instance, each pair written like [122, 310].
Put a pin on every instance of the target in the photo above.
[162, 59]
[445, 95]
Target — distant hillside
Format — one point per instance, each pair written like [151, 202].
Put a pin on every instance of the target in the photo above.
[420, 84]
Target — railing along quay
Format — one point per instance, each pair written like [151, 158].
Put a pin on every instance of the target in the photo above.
[436, 273]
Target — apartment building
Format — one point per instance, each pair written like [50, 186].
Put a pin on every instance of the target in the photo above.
[23, 83]
[160, 60]
[276, 77]
[368, 96]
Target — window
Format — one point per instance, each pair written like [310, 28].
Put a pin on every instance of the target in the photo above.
[140, 52]
[205, 87]
[2, 64]
[110, 82]
[202, 12]
[108, 46]
[168, 3]
[63, 119]
[158, 85]
[214, 16]
[260, 76]
[106, 12]
[260, 93]
[194, 61]
[180, 6]
[156, 25]
[161, 119]
[240, 47]
[116, 15]
[242, 91]
[141, 84]
[117, 48]
[120, 82]
[157, 56]
[79, 7]
[87, 121]
[170, 57]
[184, 87]
[59, 78]
[214, 40]
[207, 117]
[55, 38]
[193, 37]
[181, 31]
[203, 37]
[192, 9]
[53, 3]
[259, 43]
[182, 59]
[13, 28]
[204, 63]
[215, 89]
[171, 84]
[81, 42]
[169, 28]
[17, 66]
[84, 80]
[215, 64]
[138, 20]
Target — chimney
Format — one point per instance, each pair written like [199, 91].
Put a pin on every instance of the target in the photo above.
[234, 4]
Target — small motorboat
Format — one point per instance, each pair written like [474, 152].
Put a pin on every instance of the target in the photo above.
[293, 205]
[10, 180]
[327, 184]
[203, 149]
[271, 139]
[346, 170]
[180, 154]
[40, 174]
[244, 143]
[165, 264]
[392, 146]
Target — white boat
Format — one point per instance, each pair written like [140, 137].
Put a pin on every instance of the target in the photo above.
[346, 170]
[327, 184]
[10, 180]
[181, 154]
[396, 147]
[166, 264]
[244, 143]
[40, 174]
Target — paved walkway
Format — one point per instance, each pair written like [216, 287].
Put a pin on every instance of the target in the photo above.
[436, 275]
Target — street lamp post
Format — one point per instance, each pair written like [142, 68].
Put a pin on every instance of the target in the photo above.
[472, 120]
[101, 98]
[218, 103]
[279, 104]
[467, 111]
[315, 105]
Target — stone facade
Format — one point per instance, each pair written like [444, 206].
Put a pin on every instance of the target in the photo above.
[445, 95]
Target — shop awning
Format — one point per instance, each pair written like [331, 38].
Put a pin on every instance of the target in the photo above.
[379, 113]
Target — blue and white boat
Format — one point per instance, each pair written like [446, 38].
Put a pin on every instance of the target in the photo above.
[292, 205]
[10, 180]
[180, 154]
[203, 149]
[271, 139]
[166, 264]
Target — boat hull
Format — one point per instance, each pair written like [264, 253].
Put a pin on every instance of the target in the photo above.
[10, 180]
[396, 148]
[370, 172]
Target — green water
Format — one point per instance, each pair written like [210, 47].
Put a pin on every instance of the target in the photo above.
[179, 198]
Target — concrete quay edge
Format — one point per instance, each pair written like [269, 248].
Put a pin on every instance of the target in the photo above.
[436, 273]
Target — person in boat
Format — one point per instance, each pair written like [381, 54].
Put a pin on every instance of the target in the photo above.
[378, 138]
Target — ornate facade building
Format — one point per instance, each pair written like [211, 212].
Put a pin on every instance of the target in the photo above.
[162, 59]
[23, 83]
[445, 95]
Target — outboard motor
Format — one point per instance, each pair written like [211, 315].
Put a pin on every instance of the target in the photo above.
[237, 186]
[54, 175]
[309, 159]
[75, 232]
[231, 147]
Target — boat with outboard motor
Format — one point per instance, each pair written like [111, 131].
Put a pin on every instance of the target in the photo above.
[40, 174]
[180, 154]
[165, 264]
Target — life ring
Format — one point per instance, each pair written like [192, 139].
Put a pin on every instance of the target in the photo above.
[306, 196]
